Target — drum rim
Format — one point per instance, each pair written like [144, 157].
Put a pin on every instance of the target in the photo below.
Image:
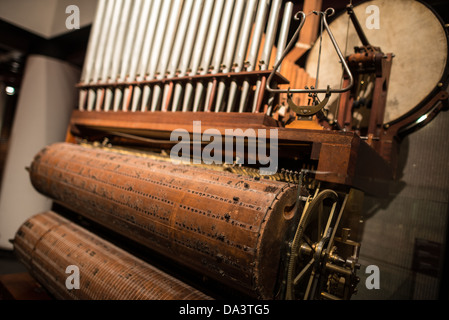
[444, 78]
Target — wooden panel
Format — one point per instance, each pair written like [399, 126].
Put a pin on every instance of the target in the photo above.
[348, 159]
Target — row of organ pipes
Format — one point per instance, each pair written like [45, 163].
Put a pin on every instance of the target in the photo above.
[160, 43]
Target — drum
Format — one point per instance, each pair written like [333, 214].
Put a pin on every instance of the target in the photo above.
[411, 31]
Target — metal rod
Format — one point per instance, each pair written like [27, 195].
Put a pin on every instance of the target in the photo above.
[220, 16]
[169, 38]
[178, 46]
[270, 35]
[115, 37]
[130, 52]
[188, 48]
[357, 26]
[283, 33]
[214, 46]
[107, 58]
[254, 49]
[117, 54]
[230, 49]
[99, 54]
[146, 51]
[126, 53]
[242, 47]
[156, 51]
[91, 51]
[207, 77]
[180, 37]
[136, 52]
[218, 51]
[282, 42]
[260, 91]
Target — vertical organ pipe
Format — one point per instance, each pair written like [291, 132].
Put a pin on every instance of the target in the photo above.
[118, 50]
[106, 68]
[91, 51]
[169, 36]
[137, 51]
[254, 48]
[218, 51]
[188, 50]
[270, 35]
[282, 42]
[242, 48]
[230, 49]
[127, 51]
[202, 45]
[99, 54]
[156, 52]
[283, 33]
[178, 46]
[146, 51]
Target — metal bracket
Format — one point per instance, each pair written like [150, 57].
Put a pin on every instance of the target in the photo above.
[310, 110]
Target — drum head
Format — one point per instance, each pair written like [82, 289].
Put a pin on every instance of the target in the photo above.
[409, 30]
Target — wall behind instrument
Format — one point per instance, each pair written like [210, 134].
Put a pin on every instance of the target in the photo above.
[46, 18]
[405, 235]
[35, 32]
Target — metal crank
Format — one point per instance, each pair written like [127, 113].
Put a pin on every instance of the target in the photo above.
[314, 269]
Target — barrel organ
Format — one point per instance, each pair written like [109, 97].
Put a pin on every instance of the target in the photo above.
[220, 82]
